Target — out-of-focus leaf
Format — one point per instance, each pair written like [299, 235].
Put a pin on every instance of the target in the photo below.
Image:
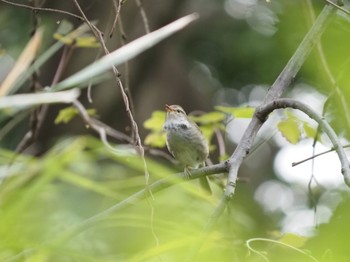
[67, 114]
[22, 63]
[64, 27]
[238, 112]
[79, 40]
[223, 157]
[211, 117]
[39, 61]
[208, 131]
[88, 41]
[289, 128]
[25, 100]
[6, 64]
[124, 53]
[156, 121]
[156, 139]
[309, 130]
[293, 240]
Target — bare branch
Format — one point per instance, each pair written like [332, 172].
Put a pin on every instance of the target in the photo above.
[43, 9]
[276, 90]
[263, 111]
[117, 8]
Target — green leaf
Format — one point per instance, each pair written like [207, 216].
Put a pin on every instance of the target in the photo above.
[156, 139]
[64, 27]
[208, 132]
[208, 118]
[67, 114]
[289, 128]
[238, 112]
[309, 130]
[293, 240]
[156, 121]
[64, 35]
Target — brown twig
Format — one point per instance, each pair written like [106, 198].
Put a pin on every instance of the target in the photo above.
[126, 67]
[99, 36]
[144, 16]
[43, 9]
[117, 8]
[39, 114]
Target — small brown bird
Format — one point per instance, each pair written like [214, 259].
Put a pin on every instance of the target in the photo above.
[185, 141]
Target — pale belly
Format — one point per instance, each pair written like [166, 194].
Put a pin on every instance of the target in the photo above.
[188, 149]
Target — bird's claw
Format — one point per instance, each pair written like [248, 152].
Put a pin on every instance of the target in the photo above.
[187, 173]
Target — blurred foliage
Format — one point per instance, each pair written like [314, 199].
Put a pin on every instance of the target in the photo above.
[294, 129]
[46, 194]
[87, 40]
[79, 178]
[67, 114]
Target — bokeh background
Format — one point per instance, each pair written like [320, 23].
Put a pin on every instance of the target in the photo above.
[229, 57]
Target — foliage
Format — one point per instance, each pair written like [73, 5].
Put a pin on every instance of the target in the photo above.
[292, 128]
[67, 114]
[82, 198]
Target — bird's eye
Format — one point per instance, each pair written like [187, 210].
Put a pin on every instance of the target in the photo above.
[179, 111]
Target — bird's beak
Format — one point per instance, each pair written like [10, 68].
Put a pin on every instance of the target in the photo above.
[168, 108]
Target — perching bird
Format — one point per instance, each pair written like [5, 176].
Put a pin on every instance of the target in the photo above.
[185, 141]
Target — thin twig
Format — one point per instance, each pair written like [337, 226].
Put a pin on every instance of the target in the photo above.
[263, 253]
[337, 91]
[99, 36]
[338, 6]
[126, 68]
[316, 155]
[39, 114]
[43, 9]
[144, 16]
[117, 8]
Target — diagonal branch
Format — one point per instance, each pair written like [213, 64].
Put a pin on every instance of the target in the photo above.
[263, 112]
[276, 90]
[36, 9]
[279, 86]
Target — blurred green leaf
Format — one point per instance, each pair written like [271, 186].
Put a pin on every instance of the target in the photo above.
[67, 114]
[289, 128]
[309, 130]
[156, 139]
[124, 53]
[64, 27]
[209, 118]
[156, 121]
[85, 41]
[238, 112]
[293, 240]
[208, 132]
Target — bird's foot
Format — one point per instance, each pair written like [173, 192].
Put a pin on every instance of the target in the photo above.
[187, 173]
